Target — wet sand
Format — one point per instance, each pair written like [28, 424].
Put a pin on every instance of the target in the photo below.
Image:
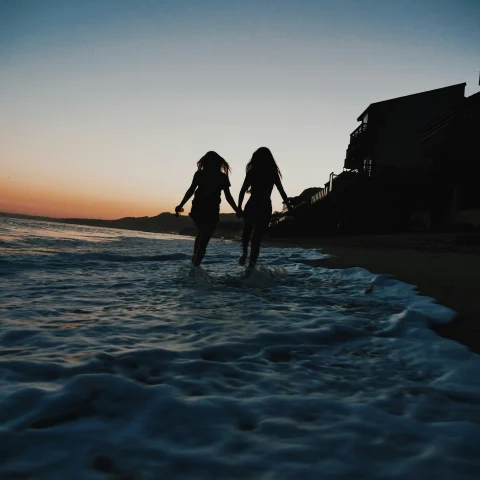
[445, 267]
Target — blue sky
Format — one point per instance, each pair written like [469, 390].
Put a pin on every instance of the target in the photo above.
[108, 104]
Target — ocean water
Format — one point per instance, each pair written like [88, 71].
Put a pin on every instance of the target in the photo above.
[117, 361]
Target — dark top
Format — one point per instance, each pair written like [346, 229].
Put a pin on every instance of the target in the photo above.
[210, 186]
[258, 209]
[261, 186]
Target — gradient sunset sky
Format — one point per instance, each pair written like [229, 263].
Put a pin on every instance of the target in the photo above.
[106, 105]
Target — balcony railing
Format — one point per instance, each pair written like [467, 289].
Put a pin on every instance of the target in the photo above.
[359, 147]
[324, 191]
[319, 195]
[358, 131]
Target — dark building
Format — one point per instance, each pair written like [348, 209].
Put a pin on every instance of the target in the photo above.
[388, 176]
[388, 136]
[386, 155]
[451, 146]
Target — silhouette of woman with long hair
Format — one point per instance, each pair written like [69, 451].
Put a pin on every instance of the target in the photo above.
[207, 185]
[262, 174]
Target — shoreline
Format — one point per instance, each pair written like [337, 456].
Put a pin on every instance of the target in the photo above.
[437, 265]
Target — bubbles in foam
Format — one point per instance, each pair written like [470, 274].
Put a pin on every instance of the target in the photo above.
[147, 368]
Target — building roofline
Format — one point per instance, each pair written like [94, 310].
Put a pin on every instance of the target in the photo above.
[411, 95]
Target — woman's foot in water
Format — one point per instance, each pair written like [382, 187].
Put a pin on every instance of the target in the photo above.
[249, 269]
[243, 258]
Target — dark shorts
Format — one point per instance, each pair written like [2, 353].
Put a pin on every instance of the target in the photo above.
[258, 210]
[205, 215]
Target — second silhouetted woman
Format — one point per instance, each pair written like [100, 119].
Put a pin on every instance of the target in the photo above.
[209, 181]
[262, 174]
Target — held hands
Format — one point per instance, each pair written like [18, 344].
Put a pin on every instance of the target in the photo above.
[239, 213]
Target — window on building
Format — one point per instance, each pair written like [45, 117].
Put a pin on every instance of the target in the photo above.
[367, 166]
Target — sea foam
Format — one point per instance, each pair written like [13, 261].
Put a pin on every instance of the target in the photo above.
[118, 360]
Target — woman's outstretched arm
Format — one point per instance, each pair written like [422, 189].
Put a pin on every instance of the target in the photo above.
[278, 184]
[188, 194]
[243, 190]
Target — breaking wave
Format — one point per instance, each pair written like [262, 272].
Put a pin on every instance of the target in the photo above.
[120, 360]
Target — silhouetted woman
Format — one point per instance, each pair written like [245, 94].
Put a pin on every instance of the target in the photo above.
[262, 174]
[207, 185]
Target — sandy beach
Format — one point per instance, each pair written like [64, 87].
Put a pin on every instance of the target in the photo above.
[443, 266]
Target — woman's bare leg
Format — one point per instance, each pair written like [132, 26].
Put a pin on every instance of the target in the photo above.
[204, 236]
[195, 246]
[247, 232]
[258, 233]
[197, 238]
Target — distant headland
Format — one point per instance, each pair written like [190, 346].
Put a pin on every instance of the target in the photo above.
[229, 224]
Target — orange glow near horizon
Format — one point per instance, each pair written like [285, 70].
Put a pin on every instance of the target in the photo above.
[107, 106]
[43, 201]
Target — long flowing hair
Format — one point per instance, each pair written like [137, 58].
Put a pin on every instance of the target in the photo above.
[263, 168]
[213, 161]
